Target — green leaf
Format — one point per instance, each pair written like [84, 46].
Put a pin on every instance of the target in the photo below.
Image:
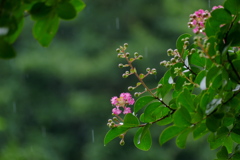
[66, 11]
[200, 130]
[235, 137]
[40, 11]
[222, 154]
[182, 117]
[6, 50]
[233, 6]
[228, 143]
[142, 139]
[44, 30]
[169, 133]
[222, 16]
[185, 99]
[214, 142]
[165, 121]
[180, 42]
[166, 82]
[130, 121]
[153, 112]
[142, 102]
[182, 139]
[195, 59]
[113, 133]
[213, 122]
[78, 5]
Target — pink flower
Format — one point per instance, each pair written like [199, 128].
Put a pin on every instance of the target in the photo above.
[197, 21]
[116, 111]
[127, 110]
[124, 100]
[216, 7]
[114, 100]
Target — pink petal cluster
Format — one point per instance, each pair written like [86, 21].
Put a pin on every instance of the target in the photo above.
[123, 100]
[216, 7]
[198, 18]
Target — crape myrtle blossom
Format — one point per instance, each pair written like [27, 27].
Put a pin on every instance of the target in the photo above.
[123, 100]
[198, 18]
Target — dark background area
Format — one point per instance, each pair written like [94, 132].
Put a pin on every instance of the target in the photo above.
[55, 101]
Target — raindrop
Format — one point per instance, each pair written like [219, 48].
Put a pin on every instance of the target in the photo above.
[93, 136]
[117, 23]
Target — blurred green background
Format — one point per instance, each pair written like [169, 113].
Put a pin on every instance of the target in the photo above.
[55, 101]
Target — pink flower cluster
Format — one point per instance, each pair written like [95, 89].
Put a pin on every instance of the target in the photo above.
[124, 100]
[198, 18]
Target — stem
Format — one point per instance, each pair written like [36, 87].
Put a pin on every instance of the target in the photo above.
[144, 85]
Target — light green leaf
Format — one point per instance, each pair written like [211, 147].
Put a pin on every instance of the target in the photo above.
[113, 133]
[182, 138]
[185, 99]
[142, 139]
[180, 42]
[142, 102]
[182, 117]
[200, 130]
[169, 133]
[44, 30]
[78, 4]
[130, 121]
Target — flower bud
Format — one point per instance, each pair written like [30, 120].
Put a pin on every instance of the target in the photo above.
[115, 119]
[120, 65]
[130, 88]
[118, 50]
[120, 55]
[110, 120]
[136, 54]
[122, 142]
[186, 43]
[140, 57]
[125, 45]
[163, 63]
[148, 69]
[127, 54]
[154, 71]
[136, 94]
[169, 52]
[159, 85]
[124, 75]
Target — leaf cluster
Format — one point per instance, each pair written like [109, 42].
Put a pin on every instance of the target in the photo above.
[46, 14]
[203, 81]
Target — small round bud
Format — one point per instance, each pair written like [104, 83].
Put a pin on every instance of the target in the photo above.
[148, 69]
[127, 54]
[140, 57]
[154, 71]
[163, 63]
[120, 65]
[136, 94]
[130, 88]
[127, 72]
[122, 142]
[125, 45]
[193, 50]
[173, 60]
[136, 54]
[186, 43]
[159, 85]
[169, 52]
[115, 119]
[124, 75]
[118, 50]
[110, 120]
[120, 55]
